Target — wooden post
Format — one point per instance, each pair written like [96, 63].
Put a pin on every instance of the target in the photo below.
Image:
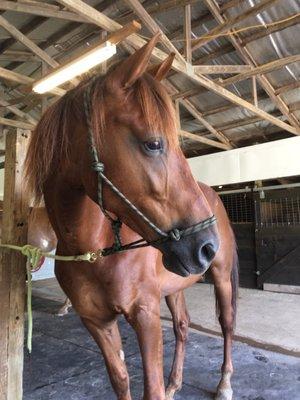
[188, 33]
[254, 89]
[12, 268]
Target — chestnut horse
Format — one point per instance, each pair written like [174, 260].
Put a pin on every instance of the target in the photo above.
[132, 122]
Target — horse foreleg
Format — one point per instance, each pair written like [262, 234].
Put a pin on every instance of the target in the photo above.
[177, 307]
[108, 338]
[224, 293]
[145, 319]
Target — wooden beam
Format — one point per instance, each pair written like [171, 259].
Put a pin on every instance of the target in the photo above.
[212, 5]
[15, 77]
[262, 69]
[136, 41]
[18, 35]
[149, 22]
[261, 95]
[26, 29]
[16, 124]
[25, 80]
[169, 5]
[269, 30]
[12, 269]
[18, 112]
[196, 114]
[214, 54]
[287, 87]
[236, 123]
[254, 89]
[15, 55]
[230, 4]
[241, 102]
[157, 8]
[199, 117]
[41, 10]
[187, 33]
[221, 69]
[202, 139]
[230, 23]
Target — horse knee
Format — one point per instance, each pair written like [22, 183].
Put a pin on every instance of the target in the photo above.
[181, 328]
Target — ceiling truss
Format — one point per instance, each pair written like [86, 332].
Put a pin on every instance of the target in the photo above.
[79, 14]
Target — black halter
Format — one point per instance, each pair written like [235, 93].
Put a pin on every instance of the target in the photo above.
[98, 167]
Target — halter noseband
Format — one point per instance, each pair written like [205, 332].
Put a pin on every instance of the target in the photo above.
[175, 234]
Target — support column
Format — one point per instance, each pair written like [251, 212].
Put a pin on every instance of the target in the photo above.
[12, 268]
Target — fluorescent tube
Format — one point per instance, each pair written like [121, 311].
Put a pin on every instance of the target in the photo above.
[74, 68]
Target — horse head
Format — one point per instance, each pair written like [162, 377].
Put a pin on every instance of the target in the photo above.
[137, 139]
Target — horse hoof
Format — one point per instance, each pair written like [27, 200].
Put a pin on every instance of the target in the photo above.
[62, 311]
[224, 394]
[170, 393]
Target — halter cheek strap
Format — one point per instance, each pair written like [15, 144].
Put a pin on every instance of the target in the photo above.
[175, 234]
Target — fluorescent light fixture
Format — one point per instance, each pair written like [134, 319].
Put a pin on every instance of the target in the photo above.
[76, 67]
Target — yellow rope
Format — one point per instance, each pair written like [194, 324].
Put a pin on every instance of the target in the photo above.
[34, 256]
[259, 26]
[235, 31]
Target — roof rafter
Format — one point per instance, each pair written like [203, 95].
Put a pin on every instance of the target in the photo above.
[262, 69]
[230, 23]
[135, 40]
[41, 10]
[18, 35]
[139, 10]
[248, 58]
[17, 112]
[202, 139]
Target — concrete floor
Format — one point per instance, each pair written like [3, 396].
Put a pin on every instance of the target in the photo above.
[265, 319]
[66, 364]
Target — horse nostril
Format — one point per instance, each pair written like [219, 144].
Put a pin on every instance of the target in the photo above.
[206, 253]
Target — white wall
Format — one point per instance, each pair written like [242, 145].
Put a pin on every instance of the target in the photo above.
[280, 158]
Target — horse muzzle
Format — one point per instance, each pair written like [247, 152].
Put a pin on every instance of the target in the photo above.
[192, 254]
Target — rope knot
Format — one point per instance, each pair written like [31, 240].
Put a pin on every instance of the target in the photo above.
[98, 166]
[175, 234]
[34, 254]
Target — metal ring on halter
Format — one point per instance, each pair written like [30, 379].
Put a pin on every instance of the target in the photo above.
[175, 234]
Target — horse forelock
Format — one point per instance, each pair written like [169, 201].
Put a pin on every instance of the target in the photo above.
[51, 140]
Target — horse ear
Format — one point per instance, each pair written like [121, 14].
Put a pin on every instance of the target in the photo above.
[127, 73]
[160, 71]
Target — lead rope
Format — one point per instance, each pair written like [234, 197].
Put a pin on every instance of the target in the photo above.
[34, 256]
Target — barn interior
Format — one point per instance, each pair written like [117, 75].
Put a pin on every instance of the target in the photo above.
[235, 88]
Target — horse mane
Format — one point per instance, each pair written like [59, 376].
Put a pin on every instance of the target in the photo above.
[51, 139]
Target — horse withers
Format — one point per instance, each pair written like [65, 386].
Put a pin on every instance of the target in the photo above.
[113, 142]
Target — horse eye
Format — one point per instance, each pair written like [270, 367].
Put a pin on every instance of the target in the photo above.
[153, 145]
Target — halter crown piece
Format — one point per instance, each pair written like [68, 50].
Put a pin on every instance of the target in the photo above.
[175, 234]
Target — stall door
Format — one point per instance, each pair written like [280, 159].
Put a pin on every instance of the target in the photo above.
[277, 237]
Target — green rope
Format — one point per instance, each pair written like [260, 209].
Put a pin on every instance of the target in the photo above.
[29, 306]
[34, 256]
